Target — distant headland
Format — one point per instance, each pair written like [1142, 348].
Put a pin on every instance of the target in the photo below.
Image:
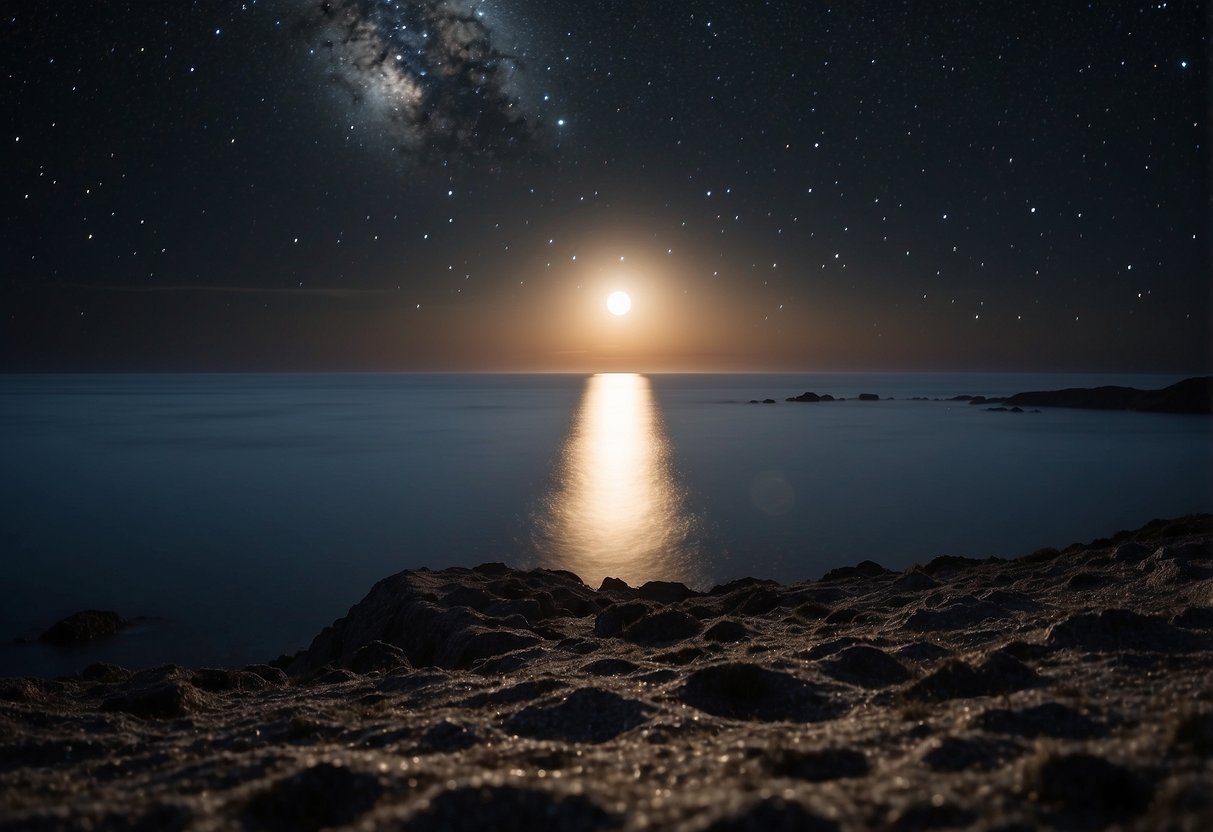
[1192, 395]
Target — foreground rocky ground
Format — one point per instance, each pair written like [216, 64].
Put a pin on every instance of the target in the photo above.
[1065, 689]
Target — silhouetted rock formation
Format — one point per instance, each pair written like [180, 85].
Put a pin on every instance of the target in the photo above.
[1193, 395]
[84, 626]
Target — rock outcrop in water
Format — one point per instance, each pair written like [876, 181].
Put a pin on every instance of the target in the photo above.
[84, 626]
[1066, 689]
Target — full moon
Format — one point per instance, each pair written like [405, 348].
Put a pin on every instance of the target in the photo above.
[619, 303]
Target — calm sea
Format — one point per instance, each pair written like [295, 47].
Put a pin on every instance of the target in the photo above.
[242, 513]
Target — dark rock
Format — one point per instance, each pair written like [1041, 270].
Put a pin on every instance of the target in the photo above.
[110, 674]
[1194, 618]
[1024, 651]
[751, 692]
[759, 601]
[923, 651]
[476, 597]
[21, 690]
[817, 766]
[774, 814]
[1118, 629]
[1194, 733]
[571, 604]
[1042, 555]
[1193, 395]
[922, 816]
[509, 809]
[586, 715]
[579, 646]
[1087, 786]
[1009, 600]
[271, 675]
[83, 627]
[445, 737]
[217, 680]
[1085, 580]
[665, 627]
[657, 677]
[614, 585]
[1167, 573]
[521, 692]
[949, 565]
[405, 611]
[828, 648]
[1052, 719]
[665, 592]
[410, 681]
[314, 798]
[509, 662]
[727, 630]
[805, 397]
[526, 610]
[811, 611]
[333, 676]
[867, 667]
[915, 581]
[768, 401]
[848, 615]
[998, 674]
[740, 583]
[869, 397]
[483, 643]
[685, 656]
[378, 655]
[493, 569]
[510, 586]
[165, 693]
[960, 754]
[614, 619]
[610, 667]
[961, 613]
[864, 569]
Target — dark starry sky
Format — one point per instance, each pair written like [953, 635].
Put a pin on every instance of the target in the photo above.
[365, 184]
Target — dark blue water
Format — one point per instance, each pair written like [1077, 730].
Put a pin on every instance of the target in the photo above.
[243, 513]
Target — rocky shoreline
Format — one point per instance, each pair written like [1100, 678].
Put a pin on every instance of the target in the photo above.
[1065, 689]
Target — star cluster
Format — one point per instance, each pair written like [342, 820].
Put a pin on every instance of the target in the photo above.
[381, 184]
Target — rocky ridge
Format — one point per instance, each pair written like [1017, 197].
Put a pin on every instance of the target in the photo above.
[1060, 690]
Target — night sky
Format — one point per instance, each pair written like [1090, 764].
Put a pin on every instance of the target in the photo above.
[389, 185]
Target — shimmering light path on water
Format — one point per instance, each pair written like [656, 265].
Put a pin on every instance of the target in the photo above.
[617, 509]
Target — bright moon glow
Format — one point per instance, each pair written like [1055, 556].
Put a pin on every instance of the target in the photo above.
[619, 303]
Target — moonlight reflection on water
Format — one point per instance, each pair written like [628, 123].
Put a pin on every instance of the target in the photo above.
[616, 508]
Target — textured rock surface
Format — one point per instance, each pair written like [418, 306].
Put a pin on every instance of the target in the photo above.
[982, 694]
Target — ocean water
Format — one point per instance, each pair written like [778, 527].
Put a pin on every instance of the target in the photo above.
[239, 514]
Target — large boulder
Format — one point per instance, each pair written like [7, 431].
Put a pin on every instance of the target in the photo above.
[429, 618]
